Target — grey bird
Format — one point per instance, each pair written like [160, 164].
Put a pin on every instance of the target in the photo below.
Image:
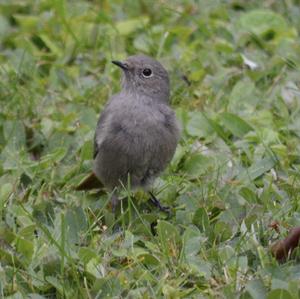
[137, 132]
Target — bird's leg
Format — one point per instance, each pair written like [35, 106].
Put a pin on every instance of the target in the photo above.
[114, 202]
[156, 203]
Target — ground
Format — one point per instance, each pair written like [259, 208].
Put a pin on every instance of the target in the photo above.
[233, 185]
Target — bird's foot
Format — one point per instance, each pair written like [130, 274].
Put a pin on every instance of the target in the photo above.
[157, 203]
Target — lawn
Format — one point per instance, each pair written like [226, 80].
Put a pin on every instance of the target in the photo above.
[233, 185]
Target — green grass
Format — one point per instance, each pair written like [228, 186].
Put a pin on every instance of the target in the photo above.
[234, 67]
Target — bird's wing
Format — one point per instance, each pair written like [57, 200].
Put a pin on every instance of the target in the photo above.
[98, 127]
[100, 130]
[89, 182]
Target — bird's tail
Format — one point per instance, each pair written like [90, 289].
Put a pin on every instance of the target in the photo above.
[89, 182]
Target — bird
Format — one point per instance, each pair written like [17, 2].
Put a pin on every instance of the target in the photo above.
[137, 132]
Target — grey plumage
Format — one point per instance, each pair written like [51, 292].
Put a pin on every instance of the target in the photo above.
[137, 132]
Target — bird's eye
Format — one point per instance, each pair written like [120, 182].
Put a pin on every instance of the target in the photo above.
[147, 73]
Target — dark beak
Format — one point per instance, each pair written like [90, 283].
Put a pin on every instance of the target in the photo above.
[120, 64]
